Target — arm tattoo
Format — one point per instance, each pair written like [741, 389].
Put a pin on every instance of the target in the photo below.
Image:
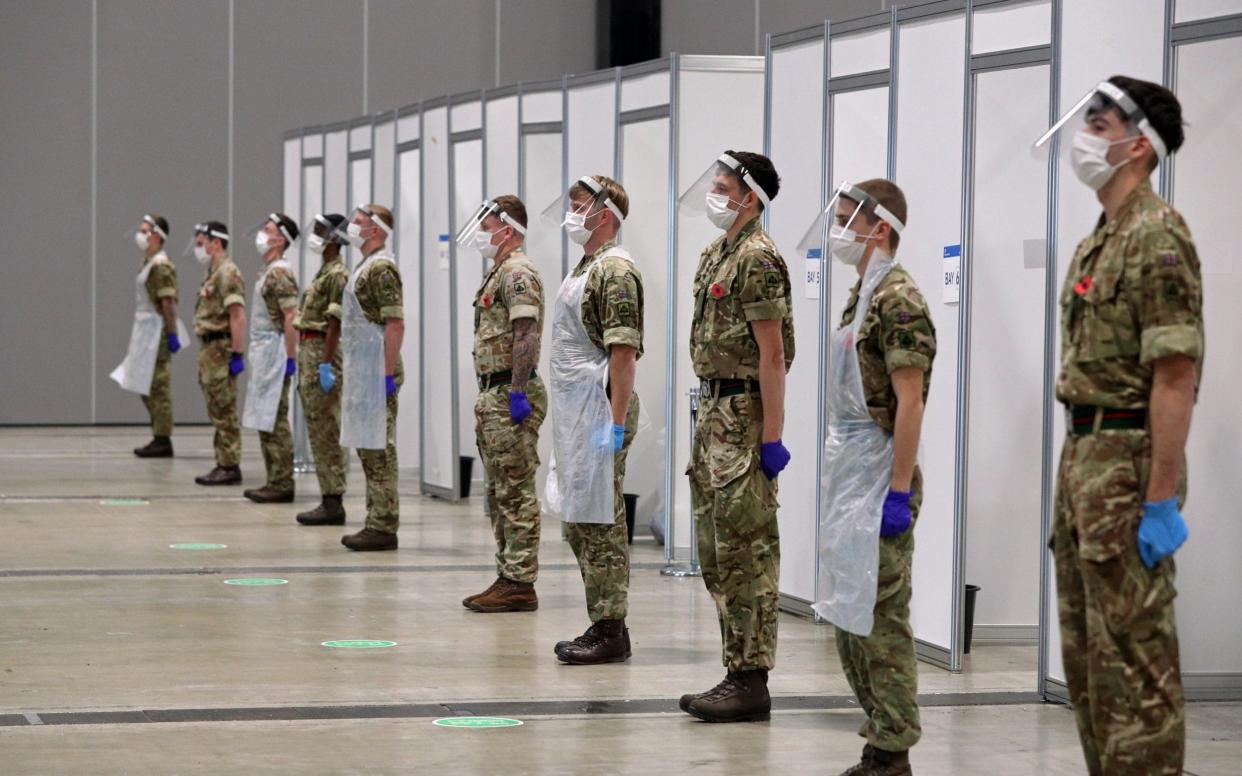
[525, 351]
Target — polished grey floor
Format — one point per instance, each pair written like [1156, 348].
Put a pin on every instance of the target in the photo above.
[119, 654]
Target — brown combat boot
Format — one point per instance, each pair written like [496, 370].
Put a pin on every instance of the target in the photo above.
[329, 512]
[741, 697]
[269, 495]
[507, 596]
[877, 762]
[221, 475]
[370, 540]
[606, 641]
[160, 447]
[490, 589]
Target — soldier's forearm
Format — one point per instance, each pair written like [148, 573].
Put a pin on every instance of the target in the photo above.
[237, 327]
[772, 393]
[291, 334]
[330, 341]
[394, 333]
[622, 366]
[525, 351]
[168, 309]
[1170, 407]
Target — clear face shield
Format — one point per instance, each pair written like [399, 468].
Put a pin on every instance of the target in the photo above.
[473, 233]
[362, 225]
[197, 247]
[715, 192]
[843, 225]
[578, 207]
[145, 234]
[268, 232]
[322, 231]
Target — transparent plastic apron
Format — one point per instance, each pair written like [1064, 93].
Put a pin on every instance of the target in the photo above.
[364, 401]
[858, 469]
[580, 477]
[137, 369]
[266, 354]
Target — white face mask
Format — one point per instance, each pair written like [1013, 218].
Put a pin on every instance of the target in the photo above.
[718, 211]
[353, 233]
[844, 247]
[200, 253]
[1089, 159]
[316, 244]
[575, 227]
[142, 240]
[483, 243]
[260, 242]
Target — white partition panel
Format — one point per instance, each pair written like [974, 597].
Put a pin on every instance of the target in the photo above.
[336, 171]
[384, 165]
[1209, 575]
[930, 68]
[590, 136]
[439, 307]
[645, 90]
[1193, 10]
[861, 52]
[408, 212]
[501, 139]
[468, 267]
[795, 145]
[1011, 26]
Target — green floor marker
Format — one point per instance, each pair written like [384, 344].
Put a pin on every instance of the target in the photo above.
[197, 546]
[359, 644]
[124, 502]
[256, 582]
[477, 722]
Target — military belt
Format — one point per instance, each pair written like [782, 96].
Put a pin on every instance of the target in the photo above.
[721, 387]
[498, 378]
[306, 334]
[213, 336]
[1082, 420]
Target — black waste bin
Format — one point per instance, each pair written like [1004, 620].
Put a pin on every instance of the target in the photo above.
[466, 464]
[968, 622]
[631, 507]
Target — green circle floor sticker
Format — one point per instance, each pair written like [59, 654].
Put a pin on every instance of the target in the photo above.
[359, 644]
[256, 582]
[197, 546]
[477, 722]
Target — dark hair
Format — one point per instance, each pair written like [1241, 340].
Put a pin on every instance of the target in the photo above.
[761, 171]
[336, 223]
[162, 223]
[513, 207]
[286, 224]
[1159, 105]
[215, 226]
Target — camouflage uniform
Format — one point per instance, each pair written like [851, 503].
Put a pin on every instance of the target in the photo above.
[221, 289]
[279, 293]
[511, 291]
[321, 302]
[161, 284]
[881, 668]
[1133, 295]
[379, 294]
[734, 502]
[612, 312]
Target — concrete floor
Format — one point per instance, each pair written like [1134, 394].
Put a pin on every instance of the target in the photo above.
[119, 654]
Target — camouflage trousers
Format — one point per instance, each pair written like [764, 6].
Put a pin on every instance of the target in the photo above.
[220, 391]
[277, 446]
[380, 468]
[734, 507]
[158, 401]
[1118, 635]
[603, 549]
[511, 457]
[881, 667]
[323, 417]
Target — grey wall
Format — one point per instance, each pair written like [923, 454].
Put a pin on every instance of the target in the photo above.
[740, 26]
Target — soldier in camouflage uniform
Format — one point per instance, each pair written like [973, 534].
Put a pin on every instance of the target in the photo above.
[377, 288]
[512, 403]
[161, 286]
[741, 345]
[895, 344]
[1132, 350]
[220, 324]
[612, 314]
[279, 294]
[319, 370]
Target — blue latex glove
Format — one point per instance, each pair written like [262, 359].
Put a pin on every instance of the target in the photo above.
[174, 344]
[327, 380]
[519, 407]
[237, 364]
[291, 367]
[1161, 531]
[390, 385]
[897, 517]
[773, 458]
[618, 437]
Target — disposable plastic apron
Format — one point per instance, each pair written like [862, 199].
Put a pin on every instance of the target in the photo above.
[364, 402]
[138, 367]
[858, 467]
[266, 355]
[580, 478]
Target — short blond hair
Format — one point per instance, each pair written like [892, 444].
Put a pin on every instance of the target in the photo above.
[889, 195]
[613, 190]
[510, 205]
[383, 213]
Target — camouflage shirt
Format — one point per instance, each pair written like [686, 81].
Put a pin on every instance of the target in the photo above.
[897, 332]
[1133, 295]
[220, 290]
[280, 293]
[511, 291]
[322, 299]
[161, 280]
[734, 285]
[612, 303]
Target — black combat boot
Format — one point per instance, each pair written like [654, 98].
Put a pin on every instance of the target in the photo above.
[269, 495]
[221, 475]
[159, 447]
[606, 641]
[329, 512]
[877, 762]
[370, 540]
[741, 697]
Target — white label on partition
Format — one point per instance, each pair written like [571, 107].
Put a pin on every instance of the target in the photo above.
[814, 269]
[444, 251]
[952, 274]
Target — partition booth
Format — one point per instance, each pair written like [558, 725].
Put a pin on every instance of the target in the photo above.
[945, 97]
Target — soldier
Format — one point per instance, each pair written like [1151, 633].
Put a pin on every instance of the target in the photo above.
[881, 358]
[741, 344]
[512, 403]
[273, 346]
[1132, 352]
[597, 338]
[372, 328]
[155, 336]
[319, 365]
[220, 323]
